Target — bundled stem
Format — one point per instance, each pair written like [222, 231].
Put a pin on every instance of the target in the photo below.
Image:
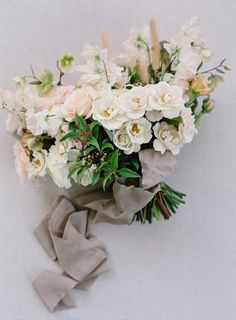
[162, 206]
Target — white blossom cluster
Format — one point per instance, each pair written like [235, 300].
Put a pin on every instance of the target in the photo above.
[136, 113]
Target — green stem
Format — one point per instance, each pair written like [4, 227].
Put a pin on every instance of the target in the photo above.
[105, 69]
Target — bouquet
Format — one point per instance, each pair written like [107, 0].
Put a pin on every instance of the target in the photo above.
[124, 119]
[118, 128]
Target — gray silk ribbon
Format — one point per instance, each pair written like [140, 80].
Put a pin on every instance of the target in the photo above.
[65, 232]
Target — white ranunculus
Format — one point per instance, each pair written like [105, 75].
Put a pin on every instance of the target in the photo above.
[167, 138]
[107, 111]
[187, 128]
[58, 168]
[36, 122]
[134, 102]
[139, 130]
[38, 167]
[123, 141]
[87, 176]
[166, 98]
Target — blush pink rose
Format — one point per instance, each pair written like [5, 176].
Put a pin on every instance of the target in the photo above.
[21, 161]
[56, 96]
[78, 102]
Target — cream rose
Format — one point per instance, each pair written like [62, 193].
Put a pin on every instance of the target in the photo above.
[134, 102]
[139, 130]
[123, 141]
[167, 138]
[107, 111]
[37, 167]
[166, 98]
[78, 102]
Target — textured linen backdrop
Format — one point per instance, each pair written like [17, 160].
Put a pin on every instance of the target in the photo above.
[183, 269]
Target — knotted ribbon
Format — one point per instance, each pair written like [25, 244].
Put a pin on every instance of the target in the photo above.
[65, 233]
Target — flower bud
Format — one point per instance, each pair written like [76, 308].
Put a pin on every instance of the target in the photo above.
[19, 82]
[206, 54]
[199, 84]
[226, 67]
[208, 105]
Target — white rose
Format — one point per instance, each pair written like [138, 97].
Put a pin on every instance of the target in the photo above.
[37, 167]
[123, 141]
[134, 102]
[187, 128]
[87, 176]
[107, 111]
[166, 98]
[139, 130]
[167, 138]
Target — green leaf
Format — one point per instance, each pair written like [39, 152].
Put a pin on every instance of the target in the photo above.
[72, 126]
[220, 71]
[93, 141]
[93, 124]
[80, 121]
[80, 174]
[107, 146]
[105, 180]
[127, 173]
[88, 150]
[36, 82]
[96, 132]
[156, 213]
[70, 135]
[109, 133]
[73, 170]
[96, 177]
[135, 164]
[103, 166]
[114, 160]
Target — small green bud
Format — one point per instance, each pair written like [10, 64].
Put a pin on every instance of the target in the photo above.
[66, 63]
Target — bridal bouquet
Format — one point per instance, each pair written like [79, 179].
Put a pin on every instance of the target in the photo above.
[124, 119]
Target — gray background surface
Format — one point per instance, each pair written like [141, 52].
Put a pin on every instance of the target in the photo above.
[183, 269]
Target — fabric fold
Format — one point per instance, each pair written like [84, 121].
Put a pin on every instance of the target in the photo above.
[65, 233]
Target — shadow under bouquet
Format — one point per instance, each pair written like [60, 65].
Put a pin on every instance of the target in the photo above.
[123, 121]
